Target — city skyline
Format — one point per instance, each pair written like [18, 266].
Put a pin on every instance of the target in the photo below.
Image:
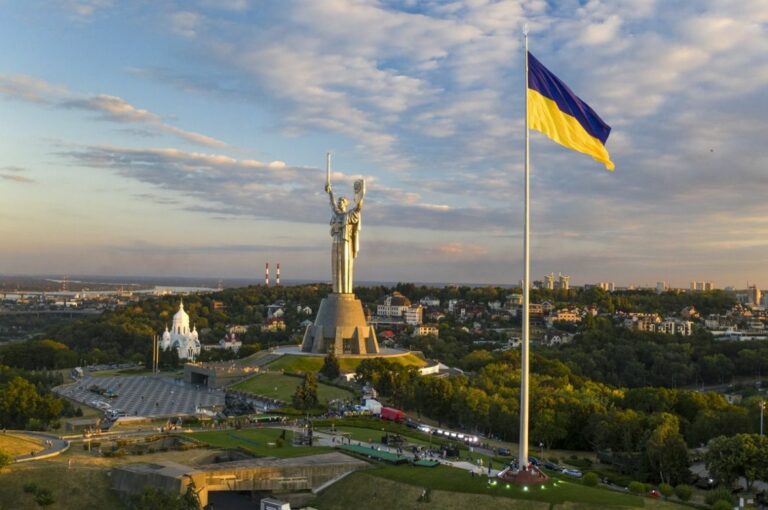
[188, 139]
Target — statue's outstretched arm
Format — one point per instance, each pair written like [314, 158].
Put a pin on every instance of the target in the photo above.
[333, 199]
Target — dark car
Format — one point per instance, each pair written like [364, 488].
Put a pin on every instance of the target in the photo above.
[552, 466]
[504, 452]
[706, 483]
[533, 460]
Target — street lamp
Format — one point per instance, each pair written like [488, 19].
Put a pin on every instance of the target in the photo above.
[762, 408]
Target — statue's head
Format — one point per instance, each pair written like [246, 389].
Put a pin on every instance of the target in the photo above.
[343, 203]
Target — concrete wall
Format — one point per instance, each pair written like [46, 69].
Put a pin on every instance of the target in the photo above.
[272, 475]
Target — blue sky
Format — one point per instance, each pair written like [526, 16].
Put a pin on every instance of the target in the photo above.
[188, 138]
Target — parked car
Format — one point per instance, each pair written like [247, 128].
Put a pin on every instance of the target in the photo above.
[706, 483]
[572, 472]
[504, 452]
[552, 466]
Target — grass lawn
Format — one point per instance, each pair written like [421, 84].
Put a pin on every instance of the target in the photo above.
[376, 492]
[257, 441]
[15, 445]
[75, 488]
[88, 411]
[457, 480]
[400, 487]
[295, 363]
[282, 387]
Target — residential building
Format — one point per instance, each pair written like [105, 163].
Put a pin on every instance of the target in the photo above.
[429, 301]
[689, 312]
[276, 310]
[273, 324]
[394, 305]
[426, 330]
[413, 315]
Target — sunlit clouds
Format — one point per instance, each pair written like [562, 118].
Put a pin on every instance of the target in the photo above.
[196, 132]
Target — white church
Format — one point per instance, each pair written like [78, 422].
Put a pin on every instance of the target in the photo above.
[180, 337]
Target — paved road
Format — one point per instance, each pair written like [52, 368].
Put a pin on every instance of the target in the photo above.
[144, 395]
[53, 446]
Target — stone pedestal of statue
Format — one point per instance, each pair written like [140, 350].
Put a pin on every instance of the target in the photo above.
[340, 326]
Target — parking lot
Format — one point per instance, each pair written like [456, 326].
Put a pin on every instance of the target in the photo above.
[143, 395]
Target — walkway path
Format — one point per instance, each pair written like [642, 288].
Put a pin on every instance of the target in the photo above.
[53, 446]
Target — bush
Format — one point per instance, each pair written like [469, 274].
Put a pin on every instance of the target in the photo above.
[683, 492]
[582, 464]
[43, 497]
[666, 490]
[722, 505]
[590, 479]
[30, 488]
[719, 495]
[619, 479]
[637, 487]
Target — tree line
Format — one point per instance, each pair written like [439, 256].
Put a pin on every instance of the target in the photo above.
[647, 431]
[622, 357]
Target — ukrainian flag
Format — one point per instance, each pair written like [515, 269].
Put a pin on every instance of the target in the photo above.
[557, 112]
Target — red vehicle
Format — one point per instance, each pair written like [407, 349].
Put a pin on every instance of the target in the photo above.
[392, 414]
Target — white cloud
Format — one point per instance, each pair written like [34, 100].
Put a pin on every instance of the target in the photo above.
[186, 23]
[84, 9]
[110, 108]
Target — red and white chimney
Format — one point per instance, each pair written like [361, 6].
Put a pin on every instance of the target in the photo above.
[266, 275]
[277, 276]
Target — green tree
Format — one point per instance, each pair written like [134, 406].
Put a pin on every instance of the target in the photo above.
[157, 499]
[22, 405]
[331, 369]
[666, 452]
[729, 458]
[305, 396]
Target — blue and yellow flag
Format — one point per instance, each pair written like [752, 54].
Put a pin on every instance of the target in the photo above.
[557, 112]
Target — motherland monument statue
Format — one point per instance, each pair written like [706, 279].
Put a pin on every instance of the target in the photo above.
[340, 325]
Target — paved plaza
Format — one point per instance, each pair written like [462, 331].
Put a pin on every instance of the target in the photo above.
[144, 395]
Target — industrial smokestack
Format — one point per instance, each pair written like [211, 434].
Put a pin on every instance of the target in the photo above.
[266, 275]
[277, 275]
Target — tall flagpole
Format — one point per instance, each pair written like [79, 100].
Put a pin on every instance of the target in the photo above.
[523, 444]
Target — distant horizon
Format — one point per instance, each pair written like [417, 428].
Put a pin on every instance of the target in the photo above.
[170, 280]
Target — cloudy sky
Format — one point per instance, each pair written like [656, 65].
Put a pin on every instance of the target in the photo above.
[188, 138]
